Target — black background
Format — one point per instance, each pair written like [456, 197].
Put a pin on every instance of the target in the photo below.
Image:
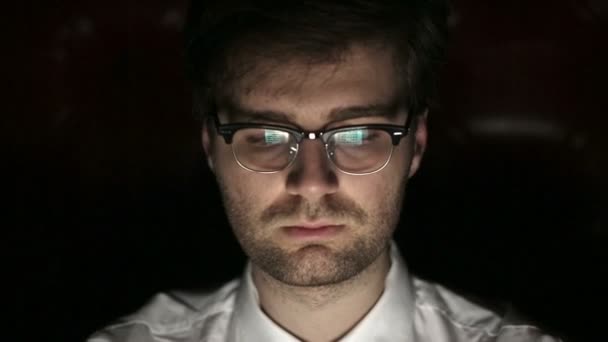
[108, 199]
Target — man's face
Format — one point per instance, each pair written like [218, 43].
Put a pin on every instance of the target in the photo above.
[310, 224]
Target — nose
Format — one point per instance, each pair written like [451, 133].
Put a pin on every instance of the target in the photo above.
[312, 175]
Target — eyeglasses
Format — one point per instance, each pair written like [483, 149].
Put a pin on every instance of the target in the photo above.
[354, 150]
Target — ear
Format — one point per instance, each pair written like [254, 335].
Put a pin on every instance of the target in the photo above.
[207, 138]
[420, 135]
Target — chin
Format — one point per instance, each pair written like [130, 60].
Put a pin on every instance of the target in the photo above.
[315, 265]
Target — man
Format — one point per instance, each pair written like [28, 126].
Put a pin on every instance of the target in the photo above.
[314, 118]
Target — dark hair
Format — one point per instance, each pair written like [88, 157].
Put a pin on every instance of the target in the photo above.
[225, 39]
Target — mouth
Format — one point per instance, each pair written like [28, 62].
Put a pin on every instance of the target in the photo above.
[312, 231]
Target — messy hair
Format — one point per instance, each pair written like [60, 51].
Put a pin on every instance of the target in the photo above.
[225, 39]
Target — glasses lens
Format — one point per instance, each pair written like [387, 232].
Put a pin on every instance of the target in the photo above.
[360, 150]
[263, 150]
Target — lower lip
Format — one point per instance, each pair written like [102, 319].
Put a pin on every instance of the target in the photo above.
[312, 233]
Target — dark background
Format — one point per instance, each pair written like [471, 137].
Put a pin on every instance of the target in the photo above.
[108, 199]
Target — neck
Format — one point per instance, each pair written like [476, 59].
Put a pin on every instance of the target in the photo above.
[323, 313]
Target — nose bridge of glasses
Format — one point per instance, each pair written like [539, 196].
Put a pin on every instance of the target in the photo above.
[312, 173]
[301, 136]
[312, 149]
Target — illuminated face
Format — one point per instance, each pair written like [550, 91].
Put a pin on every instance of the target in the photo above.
[311, 224]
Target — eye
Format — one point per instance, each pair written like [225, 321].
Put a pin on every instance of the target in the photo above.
[355, 137]
[275, 137]
[266, 137]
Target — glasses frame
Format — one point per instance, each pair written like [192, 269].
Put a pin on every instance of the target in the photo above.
[397, 132]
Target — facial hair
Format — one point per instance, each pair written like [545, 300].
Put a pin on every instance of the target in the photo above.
[314, 264]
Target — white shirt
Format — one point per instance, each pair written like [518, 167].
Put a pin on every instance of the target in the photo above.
[410, 309]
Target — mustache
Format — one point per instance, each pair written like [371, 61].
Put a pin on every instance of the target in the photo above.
[329, 207]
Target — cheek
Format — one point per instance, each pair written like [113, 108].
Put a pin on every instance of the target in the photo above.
[246, 186]
[375, 193]
[245, 192]
[381, 192]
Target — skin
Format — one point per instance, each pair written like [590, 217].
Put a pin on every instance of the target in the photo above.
[318, 288]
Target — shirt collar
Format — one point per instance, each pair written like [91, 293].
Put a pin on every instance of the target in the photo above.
[249, 322]
[390, 319]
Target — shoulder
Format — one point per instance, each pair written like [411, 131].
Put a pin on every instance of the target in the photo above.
[455, 317]
[175, 314]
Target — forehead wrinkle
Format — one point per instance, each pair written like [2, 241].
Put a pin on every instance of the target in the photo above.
[250, 68]
[282, 79]
[236, 112]
[388, 110]
[273, 79]
[293, 77]
[246, 69]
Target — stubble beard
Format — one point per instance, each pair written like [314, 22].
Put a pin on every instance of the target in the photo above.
[320, 264]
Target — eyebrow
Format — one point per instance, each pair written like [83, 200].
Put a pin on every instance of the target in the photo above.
[239, 114]
[389, 110]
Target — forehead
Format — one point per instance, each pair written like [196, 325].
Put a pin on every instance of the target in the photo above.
[308, 93]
